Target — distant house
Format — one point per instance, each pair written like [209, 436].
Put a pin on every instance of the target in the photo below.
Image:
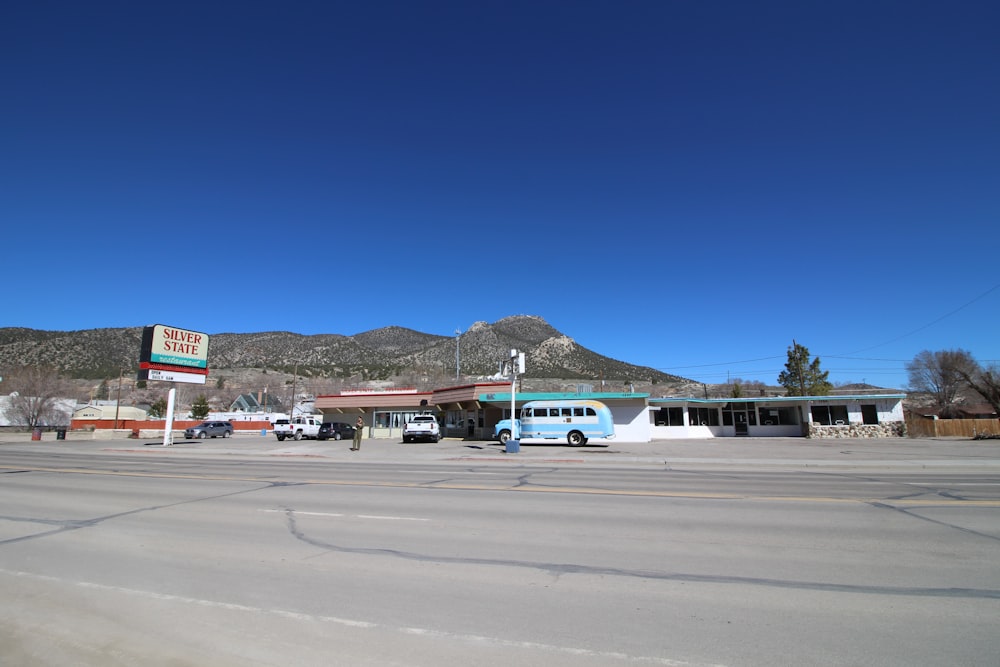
[108, 410]
[259, 402]
[960, 411]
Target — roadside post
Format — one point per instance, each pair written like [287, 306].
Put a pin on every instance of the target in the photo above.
[513, 445]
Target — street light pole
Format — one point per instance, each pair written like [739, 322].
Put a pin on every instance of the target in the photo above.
[458, 355]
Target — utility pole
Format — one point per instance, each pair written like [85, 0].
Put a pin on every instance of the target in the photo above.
[458, 356]
[118, 401]
[798, 363]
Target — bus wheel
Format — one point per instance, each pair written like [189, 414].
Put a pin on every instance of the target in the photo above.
[575, 438]
[504, 436]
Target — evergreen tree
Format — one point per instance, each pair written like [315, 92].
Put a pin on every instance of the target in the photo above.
[802, 377]
[158, 408]
[102, 391]
[199, 409]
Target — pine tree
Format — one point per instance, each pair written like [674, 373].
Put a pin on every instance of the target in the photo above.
[158, 408]
[802, 377]
[199, 409]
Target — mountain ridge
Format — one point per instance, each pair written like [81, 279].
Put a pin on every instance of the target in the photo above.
[377, 354]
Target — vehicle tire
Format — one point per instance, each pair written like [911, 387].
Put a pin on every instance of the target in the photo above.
[202, 435]
[504, 436]
[407, 438]
[281, 438]
[436, 438]
[337, 436]
[298, 435]
[575, 439]
[226, 434]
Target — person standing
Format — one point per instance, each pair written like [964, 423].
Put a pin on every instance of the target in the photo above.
[359, 429]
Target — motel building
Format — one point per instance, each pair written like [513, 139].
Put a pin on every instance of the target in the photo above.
[471, 411]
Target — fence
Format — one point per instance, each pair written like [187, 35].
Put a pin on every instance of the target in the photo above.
[160, 424]
[921, 427]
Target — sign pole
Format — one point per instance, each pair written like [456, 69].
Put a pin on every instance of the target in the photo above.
[168, 427]
[516, 365]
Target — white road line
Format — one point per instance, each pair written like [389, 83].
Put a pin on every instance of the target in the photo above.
[356, 516]
[304, 513]
[353, 623]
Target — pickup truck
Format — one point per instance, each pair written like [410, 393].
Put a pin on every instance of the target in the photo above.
[297, 428]
[422, 427]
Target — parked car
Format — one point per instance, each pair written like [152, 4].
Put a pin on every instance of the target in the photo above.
[335, 431]
[209, 430]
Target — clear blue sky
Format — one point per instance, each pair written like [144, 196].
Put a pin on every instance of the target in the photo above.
[683, 185]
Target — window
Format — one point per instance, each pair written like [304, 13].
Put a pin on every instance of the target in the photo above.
[869, 414]
[778, 416]
[670, 417]
[830, 415]
[703, 416]
[577, 412]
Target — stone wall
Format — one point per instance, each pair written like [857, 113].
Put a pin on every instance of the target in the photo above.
[887, 430]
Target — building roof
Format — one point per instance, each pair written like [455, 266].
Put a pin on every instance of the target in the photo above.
[563, 396]
[775, 399]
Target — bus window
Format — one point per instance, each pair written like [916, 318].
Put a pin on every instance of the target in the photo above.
[577, 412]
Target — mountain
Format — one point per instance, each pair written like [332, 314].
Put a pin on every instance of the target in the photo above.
[380, 354]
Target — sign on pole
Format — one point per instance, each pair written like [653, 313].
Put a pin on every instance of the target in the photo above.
[171, 354]
[171, 346]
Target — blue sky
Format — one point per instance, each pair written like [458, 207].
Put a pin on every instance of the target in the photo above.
[689, 186]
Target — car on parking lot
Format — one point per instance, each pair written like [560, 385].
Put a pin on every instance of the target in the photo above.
[335, 431]
[209, 430]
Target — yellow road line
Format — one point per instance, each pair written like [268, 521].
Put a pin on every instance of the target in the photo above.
[456, 486]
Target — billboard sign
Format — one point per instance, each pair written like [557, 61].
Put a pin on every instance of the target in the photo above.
[171, 346]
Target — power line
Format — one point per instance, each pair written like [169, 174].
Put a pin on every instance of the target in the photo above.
[848, 355]
[930, 324]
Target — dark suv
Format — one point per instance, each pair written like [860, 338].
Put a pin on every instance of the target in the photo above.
[209, 430]
[335, 431]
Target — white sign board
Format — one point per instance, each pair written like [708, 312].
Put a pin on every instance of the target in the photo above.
[176, 376]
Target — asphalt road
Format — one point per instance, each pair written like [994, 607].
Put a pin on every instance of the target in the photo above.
[245, 552]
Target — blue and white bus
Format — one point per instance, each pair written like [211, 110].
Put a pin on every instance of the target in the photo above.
[575, 420]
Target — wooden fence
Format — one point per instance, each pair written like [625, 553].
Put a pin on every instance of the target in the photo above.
[921, 427]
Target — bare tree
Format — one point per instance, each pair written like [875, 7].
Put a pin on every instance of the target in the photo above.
[943, 375]
[35, 396]
[986, 382]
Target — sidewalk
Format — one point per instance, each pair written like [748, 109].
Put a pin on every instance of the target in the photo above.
[909, 453]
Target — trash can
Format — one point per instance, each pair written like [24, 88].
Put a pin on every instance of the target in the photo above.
[513, 446]
[36, 433]
[60, 434]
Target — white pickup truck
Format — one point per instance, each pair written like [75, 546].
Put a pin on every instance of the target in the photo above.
[297, 428]
[422, 427]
